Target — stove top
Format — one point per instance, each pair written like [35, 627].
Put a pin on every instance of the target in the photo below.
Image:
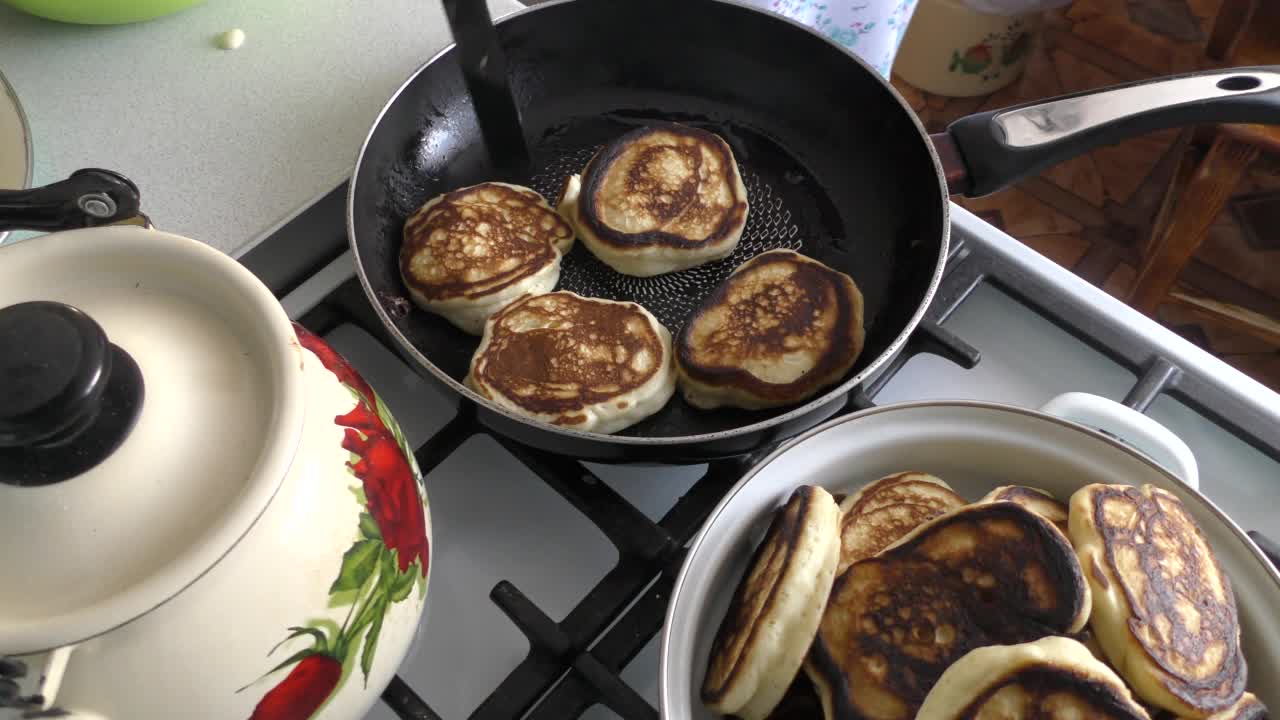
[576, 559]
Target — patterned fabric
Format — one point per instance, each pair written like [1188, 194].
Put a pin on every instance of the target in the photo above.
[872, 29]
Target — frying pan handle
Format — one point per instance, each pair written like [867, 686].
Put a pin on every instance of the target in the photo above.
[88, 197]
[997, 148]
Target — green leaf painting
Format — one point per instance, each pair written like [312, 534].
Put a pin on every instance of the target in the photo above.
[357, 565]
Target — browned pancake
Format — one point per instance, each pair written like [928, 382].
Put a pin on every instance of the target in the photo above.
[863, 535]
[1037, 501]
[1053, 678]
[479, 239]
[586, 363]
[980, 575]
[1038, 694]
[779, 329]
[883, 511]
[1164, 610]
[912, 487]
[660, 198]
[762, 640]
[469, 252]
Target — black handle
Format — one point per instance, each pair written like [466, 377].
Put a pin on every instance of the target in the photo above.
[88, 197]
[68, 397]
[1000, 147]
[484, 70]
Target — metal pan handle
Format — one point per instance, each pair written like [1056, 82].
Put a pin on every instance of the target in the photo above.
[88, 197]
[1000, 147]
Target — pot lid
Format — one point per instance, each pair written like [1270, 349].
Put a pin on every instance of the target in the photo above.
[151, 401]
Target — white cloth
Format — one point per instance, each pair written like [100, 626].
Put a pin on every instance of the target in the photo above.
[872, 29]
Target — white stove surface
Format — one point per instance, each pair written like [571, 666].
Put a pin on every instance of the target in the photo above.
[495, 520]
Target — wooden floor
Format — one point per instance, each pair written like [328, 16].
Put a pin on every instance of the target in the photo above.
[1091, 215]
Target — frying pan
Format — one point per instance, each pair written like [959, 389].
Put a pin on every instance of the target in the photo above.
[836, 165]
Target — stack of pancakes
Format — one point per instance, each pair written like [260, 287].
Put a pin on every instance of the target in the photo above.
[663, 198]
[1015, 606]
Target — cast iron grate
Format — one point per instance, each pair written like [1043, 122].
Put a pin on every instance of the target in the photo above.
[576, 663]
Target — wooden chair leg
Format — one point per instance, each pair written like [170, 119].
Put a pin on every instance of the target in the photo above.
[1231, 19]
[1187, 163]
[1190, 211]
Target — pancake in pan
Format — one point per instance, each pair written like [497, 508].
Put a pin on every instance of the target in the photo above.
[1164, 611]
[774, 613]
[881, 512]
[659, 199]
[779, 329]
[469, 252]
[981, 575]
[583, 363]
[1054, 678]
[1034, 499]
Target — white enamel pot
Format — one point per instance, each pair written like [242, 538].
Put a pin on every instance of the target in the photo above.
[975, 447]
[204, 510]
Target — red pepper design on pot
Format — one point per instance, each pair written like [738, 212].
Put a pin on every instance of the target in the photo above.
[302, 692]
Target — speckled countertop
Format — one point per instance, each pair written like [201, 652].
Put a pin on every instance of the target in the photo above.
[223, 144]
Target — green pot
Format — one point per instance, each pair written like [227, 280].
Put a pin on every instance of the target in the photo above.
[101, 12]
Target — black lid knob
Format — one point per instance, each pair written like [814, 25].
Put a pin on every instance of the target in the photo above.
[54, 367]
[68, 397]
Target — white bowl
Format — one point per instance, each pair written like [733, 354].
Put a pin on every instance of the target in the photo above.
[974, 447]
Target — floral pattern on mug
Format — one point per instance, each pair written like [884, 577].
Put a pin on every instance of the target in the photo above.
[995, 52]
[388, 559]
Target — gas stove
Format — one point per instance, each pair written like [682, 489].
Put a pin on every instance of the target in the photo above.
[551, 575]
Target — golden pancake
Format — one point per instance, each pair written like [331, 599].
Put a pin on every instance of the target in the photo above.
[881, 512]
[469, 252]
[981, 575]
[778, 330]
[763, 638]
[1164, 612]
[584, 363]
[659, 199]
[1034, 499]
[1054, 678]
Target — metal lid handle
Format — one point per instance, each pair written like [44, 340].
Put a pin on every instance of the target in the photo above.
[87, 198]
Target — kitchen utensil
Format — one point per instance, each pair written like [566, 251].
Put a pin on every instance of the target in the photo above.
[102, 12]
[15, 143]
[975, 447]
[835, 162]
[205, 511]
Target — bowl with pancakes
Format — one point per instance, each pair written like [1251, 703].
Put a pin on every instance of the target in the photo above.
[961, 559]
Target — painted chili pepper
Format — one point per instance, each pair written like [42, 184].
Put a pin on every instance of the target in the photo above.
[392, 492]
[302, 692]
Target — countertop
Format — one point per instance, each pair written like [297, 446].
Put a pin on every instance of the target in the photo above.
[224, 145]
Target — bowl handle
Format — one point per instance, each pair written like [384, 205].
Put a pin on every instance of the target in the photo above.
[1131, 427]
[52, 666]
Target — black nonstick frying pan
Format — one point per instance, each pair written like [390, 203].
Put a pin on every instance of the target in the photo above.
[836, 166]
